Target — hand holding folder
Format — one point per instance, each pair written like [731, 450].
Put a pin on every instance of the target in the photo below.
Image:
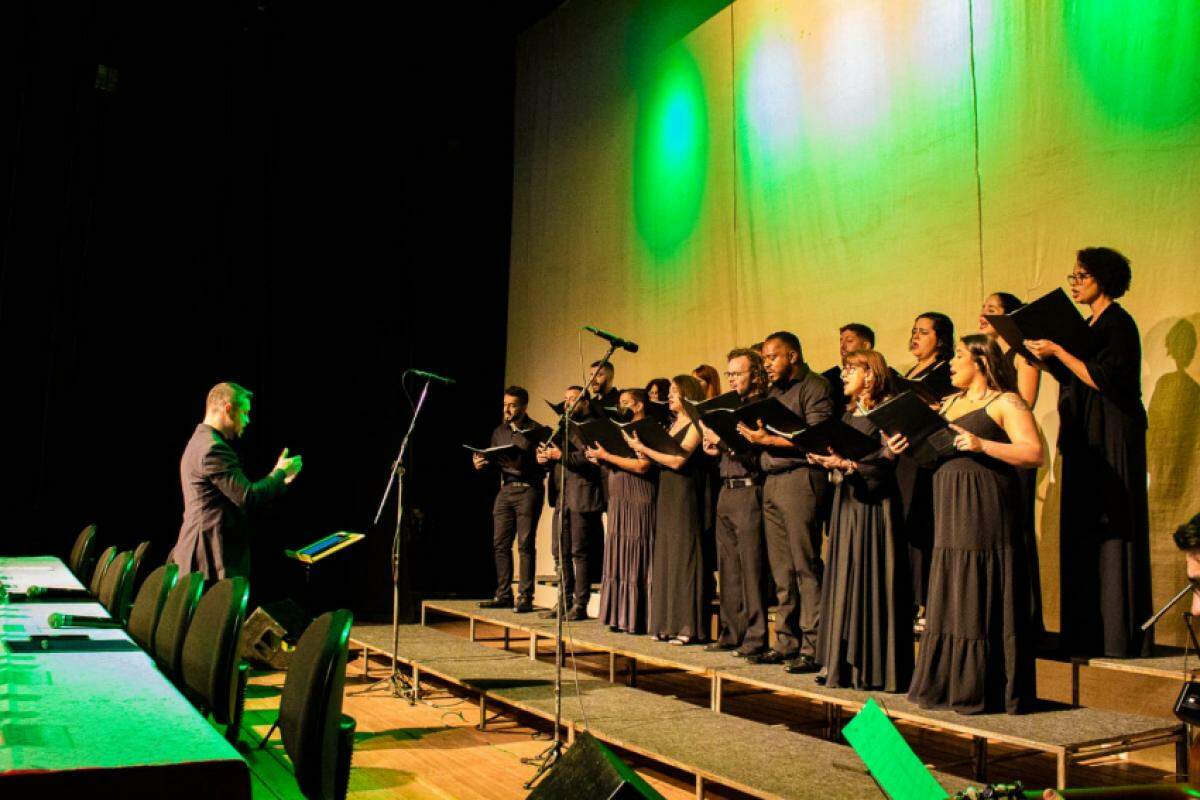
[929, 435]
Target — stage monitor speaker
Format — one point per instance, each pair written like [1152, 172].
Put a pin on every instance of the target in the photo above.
[587, 770]
[271, 632]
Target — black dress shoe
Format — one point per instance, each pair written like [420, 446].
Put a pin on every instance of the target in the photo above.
[717, 647]
[494, 603]
[577, 615]
[740, 653]
[771, 656]
[523, 607]
[801, 665]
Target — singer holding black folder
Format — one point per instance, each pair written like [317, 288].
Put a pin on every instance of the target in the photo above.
[1028, 380]
[865, 640]
[931, 341]
[518, 504]
[793, 494]
[677, 607]
[739, 522]
[977, 652]
[624, 589]
[580, 507]
[1104, 526]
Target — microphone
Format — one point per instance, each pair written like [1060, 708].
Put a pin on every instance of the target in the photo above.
[57, 593]
[433, 376]
[57, 620]
[613, 339]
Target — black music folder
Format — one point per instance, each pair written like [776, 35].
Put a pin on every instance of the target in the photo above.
[919, 387]
[929, 435]
[723, 402]
[652, 434]
[774, 415]
[495, 453]
[606, 433]
[1052, 316]
[718, 415]
[845, 440]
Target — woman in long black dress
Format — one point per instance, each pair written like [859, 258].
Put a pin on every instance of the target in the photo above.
[625, 587]
[677, 565]
[976, 654]
[932, 343]
[1027, 379]
[865, 638]
[1104, 529]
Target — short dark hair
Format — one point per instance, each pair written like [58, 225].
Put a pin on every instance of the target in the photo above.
[1009, 302]
[519, 393]
[227, 392]
[1187, 535]
[1109, 268]
[859, 330]
[758, 374]
[606, 364]
[664, 387]
[943, 330]
[638, 394]
[788, 338]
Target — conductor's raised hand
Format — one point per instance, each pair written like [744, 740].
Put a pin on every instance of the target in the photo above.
[897, 443]
[291, 465]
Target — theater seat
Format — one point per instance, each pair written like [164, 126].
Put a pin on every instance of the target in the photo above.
[173, 624]
[102, 563]
[318, 738]
[214, 678]
[82, 560]
[148, 606]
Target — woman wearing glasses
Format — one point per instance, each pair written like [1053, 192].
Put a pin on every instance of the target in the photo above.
[865, 637]
[1104, 524]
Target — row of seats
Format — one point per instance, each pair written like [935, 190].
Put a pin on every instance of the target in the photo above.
[194, 636]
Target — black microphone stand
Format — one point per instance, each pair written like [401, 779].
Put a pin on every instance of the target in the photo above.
[401, 686]
[548, 757]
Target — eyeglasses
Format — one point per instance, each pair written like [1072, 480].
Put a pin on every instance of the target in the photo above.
[1078, 277]
[735, 374]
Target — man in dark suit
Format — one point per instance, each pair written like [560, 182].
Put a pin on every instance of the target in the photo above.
[853, 336]
[213, 538]
[580, 507]
[518, 504]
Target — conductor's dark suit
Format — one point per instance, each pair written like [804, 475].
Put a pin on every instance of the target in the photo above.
[216, 495]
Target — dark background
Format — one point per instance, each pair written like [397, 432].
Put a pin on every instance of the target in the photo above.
[303, 198]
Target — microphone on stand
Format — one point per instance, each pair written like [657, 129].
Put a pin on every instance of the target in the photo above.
[613, 339]
[433, 376]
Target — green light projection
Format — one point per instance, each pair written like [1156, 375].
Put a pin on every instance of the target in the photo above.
[670, 158]
[1139, 58]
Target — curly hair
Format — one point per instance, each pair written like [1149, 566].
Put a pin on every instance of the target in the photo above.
[758, 373]
[1109, 268]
